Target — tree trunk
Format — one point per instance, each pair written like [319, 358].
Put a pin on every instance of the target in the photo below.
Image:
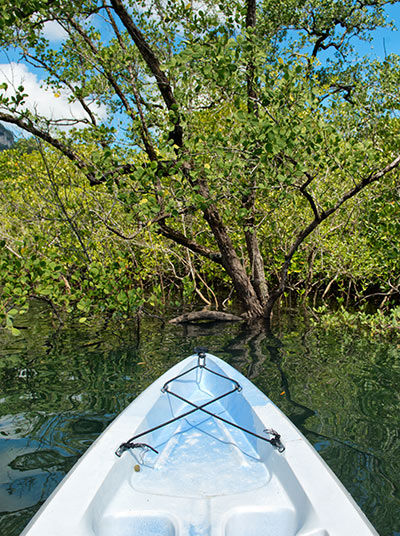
[235, 269]
[256, 261]
[257, 267]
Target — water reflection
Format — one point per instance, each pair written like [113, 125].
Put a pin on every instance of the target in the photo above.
[60, 389]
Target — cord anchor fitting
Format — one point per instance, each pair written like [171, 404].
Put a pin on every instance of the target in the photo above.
[275, 440]
[128, 445]
[201, 355]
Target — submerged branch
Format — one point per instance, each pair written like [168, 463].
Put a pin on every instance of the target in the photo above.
[196, 316]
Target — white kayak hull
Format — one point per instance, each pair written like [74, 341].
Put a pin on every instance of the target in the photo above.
[208, 478]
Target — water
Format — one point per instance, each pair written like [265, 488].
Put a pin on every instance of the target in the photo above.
[60, 387]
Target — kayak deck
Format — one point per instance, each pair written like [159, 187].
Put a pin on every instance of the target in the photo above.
[199, 474]
[189, 462]
[207, 478]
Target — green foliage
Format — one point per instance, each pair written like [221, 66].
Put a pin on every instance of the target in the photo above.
[56, 245]
[215, 129]
[21, 9]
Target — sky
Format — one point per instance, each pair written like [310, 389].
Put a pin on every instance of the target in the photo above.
[55, 104]
[385, 41]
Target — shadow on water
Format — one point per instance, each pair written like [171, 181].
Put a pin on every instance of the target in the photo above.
[60, 388]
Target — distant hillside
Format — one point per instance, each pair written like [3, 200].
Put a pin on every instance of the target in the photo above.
[6, 138]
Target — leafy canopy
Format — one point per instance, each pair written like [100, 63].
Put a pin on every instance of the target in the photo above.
[207, 118]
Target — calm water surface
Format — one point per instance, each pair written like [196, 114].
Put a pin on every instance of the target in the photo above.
[60, 388]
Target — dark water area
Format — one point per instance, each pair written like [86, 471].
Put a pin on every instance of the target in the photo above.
[60, 388]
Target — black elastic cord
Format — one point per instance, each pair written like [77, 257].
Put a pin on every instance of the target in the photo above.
[166, 423]
[204, 367]
[130, 444]
[275, 441]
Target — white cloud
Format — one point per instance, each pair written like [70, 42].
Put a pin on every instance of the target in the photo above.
[41, 99]
[53, 31]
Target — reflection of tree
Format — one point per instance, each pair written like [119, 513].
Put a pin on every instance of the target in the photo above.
[254, 343]
[248, 349]
[12, 523]
[301, 412]
[251, 346]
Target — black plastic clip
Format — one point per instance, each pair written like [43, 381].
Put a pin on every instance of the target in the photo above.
[275, 440]
[126, 446]
[201, 353]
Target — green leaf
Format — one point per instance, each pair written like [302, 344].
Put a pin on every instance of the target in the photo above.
[15, 332]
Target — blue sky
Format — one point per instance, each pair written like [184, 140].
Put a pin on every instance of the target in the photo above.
[391, 39]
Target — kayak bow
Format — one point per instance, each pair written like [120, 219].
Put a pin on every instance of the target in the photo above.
[204, 459]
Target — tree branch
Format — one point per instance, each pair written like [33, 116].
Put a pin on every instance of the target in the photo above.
[248, 199]
[154, 65]
[27, 124]
[369, 179]
[308, 196]
[211, 316]
[61, 204]
[250, 68]
[372, 177]
[37, 62]
[180, 238]
[106, 72]
[150, 150]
